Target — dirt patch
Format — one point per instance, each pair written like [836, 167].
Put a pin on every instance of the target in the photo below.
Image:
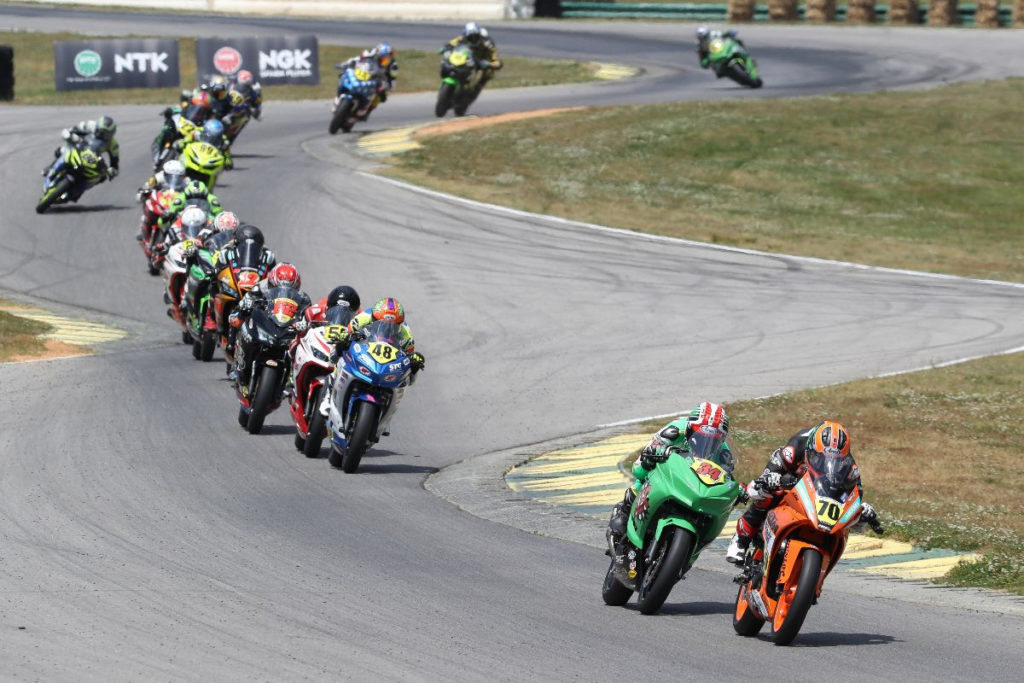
[463, 124]
[51, 349]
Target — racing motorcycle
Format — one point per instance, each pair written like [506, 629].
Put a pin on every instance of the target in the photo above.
[237, 118]
[177, 126]
[800, 543]
[268, 334]
[78, 167]
[728, 57]
[683, 505]
[155, 205]
[311, 373]
[369, 383]
[175, 273]
[162, 238]
[203, 161]
[200, 321]
[357, 96]
[460, 74]
[234, 279]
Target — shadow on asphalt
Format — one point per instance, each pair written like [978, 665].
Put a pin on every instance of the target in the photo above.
[833, 639]
[85, 208]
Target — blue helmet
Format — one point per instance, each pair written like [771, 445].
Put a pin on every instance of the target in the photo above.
[213, 131]
[385, 54]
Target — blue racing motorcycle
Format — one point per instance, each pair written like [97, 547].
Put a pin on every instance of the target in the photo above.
[357, 96]
[369, 382]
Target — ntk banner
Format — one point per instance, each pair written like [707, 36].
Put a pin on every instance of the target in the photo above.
[121, 63]
[273, 60]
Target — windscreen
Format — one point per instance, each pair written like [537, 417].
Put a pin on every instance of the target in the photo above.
[831, 473]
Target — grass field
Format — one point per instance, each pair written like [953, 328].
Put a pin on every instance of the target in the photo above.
[920, 180]
[34, 73]
[924, 180]
[18, 335]
[939, 453]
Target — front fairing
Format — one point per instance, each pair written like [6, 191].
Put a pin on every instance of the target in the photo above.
[694, 489]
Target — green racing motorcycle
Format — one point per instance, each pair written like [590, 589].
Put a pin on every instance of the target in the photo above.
[683, 505]
[728, 57]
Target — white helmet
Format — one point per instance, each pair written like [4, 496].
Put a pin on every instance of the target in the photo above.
[193, 219]
[174, 175]
[703, 32]
[472, 32]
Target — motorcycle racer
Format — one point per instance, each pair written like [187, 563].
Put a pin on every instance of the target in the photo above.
[249, 88]
[705, 36]
[828, 438]
[485, 52]
[706, 421]
[195, 193]
[390, 310]
[342, 295]
[102, 129]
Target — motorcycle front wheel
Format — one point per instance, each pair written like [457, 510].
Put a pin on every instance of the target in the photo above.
[667, 565]
[341, 114]
[744, 620]
[262, 398]
[317, 425]
[49, 197]
[359, 441]
[613, 591]
[796, 600]
[444, 99]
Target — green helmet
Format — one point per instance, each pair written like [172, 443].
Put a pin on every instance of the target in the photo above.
[196, 189]
[105, 128]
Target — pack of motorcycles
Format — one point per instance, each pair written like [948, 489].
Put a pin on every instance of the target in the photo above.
[350, 397]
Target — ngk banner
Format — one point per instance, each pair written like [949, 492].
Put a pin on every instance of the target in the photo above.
[122, 63]
[276, 60]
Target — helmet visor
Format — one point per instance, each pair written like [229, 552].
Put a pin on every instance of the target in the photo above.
[831, 473]
[706, 442]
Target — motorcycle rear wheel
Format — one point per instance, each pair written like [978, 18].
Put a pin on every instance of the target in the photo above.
[738, 73]
[263, 397]
[795, 601]
[48, 198]
[366, 418]
[444, 99]
[666, 568]
[207, 346]
[613, 591]
[317, 425]
[744, 620]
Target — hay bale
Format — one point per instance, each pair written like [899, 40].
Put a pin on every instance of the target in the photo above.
[860, 12]
[904, 12]
[821, 10]
[1018, 13]
[743, 10]
[782, 10]
[942, 12]
[986, 14]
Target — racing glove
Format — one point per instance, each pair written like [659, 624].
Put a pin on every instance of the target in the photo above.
[651, 455]
[112, 172]
[418, 361]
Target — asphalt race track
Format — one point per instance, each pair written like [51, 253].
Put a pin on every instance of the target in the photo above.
[146, 537]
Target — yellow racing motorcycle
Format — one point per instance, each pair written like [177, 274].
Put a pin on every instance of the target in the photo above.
[78, 167]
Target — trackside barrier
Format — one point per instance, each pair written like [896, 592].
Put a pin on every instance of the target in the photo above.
[6, 73]
[720, 12]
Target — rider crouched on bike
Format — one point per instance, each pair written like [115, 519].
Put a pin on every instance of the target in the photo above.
[485, 52]
[706, 421]
[281, 275]
[246, 85]
[387, 309]
[383, 58]
[704, 38]
[103, 129]
[828, 438]
[196, 193]
[342, 295]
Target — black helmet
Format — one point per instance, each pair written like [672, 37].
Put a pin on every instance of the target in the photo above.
[343, 295]
[247, 231]
[105, 128]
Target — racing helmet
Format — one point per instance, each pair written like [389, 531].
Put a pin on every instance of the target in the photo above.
[472, 32]
[248, 232]
[284, 275]
[218, 87]
[105, 128]
[244, 78]
[193, 219]
[829, 438]
[385, 55]
[225, 221]
[174, 175]
[388, 309]
[201, 99]
[213, 132]
[343, 295]
[703, 32]
[196, 189]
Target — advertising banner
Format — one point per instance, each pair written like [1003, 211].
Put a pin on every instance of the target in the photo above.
[121, 63]
[272, 60]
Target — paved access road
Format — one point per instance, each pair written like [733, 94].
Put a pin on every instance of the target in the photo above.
[146, 537]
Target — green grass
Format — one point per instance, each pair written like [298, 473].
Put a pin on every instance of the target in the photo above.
[34, 73]
[18, 335]
[939, 453]
[920, 180]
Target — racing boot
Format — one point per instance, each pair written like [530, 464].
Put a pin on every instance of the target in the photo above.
[737, 549]
[620, 516]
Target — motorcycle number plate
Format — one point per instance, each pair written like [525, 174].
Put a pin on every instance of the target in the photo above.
[708, 472]
[334, 333]
[382, 353]
[457, 58]
[361, 74]
[828, 512]
[716, 45]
